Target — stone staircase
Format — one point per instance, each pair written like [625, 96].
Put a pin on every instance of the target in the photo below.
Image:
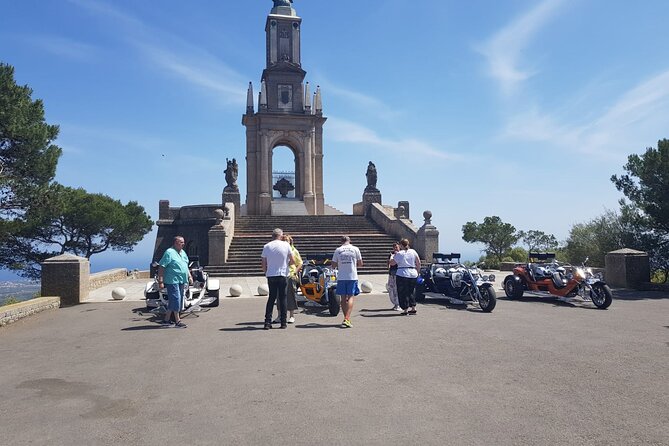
[312, 234]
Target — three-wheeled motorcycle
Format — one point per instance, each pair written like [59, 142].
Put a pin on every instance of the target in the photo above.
[318, 281]
[458, 283]
[543, 273]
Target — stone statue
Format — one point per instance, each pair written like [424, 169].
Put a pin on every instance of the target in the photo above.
[282, 3]
[231, 174]
[371, 178]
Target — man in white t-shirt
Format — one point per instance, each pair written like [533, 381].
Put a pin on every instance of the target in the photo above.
[276, 258]
[347, 259]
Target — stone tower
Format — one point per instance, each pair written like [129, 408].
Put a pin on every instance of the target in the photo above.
[287, 116]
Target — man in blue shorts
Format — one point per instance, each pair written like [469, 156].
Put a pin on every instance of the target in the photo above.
[173, 274]
[347, 259]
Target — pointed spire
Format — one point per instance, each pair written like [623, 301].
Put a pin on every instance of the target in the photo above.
[318, 101]
[249, 99]
[313, 104]
[307, 99]
[263, 96]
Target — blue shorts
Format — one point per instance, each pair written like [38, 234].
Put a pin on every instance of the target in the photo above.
[175, 296]
[347, 288]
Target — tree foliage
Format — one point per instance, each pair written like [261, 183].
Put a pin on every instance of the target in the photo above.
[538, 240]
[38, 217]
[28, 157]
[76, 222]
[646, 185]
[497, 236]
[595, 238]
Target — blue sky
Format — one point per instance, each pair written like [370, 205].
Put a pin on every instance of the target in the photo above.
[521, 109]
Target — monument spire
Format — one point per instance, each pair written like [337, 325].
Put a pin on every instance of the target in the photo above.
[249, 99]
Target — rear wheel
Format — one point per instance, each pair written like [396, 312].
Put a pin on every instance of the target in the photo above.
[419, 293]
[601, 296]
[488, 299]
[513, 288]
[334, 302]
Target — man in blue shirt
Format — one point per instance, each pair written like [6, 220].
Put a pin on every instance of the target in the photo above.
[174, 275]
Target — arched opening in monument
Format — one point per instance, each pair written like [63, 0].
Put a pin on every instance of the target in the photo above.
[285, 176]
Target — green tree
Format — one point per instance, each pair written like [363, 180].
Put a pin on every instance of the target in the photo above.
[497, 236]
[538, 240]
[646, 185]
[595, 238]
[28, 157]
[76, 222]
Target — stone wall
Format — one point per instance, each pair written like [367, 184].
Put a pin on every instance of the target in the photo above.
[98, 280]
[397, 227]
[14, 312]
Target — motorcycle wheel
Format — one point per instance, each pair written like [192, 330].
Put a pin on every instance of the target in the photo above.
[601, 296]
[334, 302]
[488, 299]
[419, 293]
[214, 294]
[512, 289]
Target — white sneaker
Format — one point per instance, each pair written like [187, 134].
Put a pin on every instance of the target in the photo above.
[397, 308]
[291, 320]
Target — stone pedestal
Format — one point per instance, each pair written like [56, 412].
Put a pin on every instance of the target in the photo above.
[368, 198]
[232, 196]
[66, 276]
[627, 268]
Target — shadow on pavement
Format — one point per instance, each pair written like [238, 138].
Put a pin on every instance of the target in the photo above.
[144, 327]
[313, 325]
[245, 326]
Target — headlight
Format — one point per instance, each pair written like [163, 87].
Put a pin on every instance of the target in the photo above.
[579, 273]
[491, 278]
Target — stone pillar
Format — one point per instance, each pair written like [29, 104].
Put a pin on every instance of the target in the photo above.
[627, 268]
[217, 251]
[368, 198]
[66, 276]
[427, 239]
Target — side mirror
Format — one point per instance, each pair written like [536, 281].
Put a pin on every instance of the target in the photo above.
[155, 264]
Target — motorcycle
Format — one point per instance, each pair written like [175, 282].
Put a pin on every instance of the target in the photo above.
[203, 292]
[318, 282]
[543, 273]
[459, 283]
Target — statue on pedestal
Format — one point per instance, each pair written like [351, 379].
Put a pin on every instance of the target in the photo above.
[371, 178]
[282, 3]
[231, 173]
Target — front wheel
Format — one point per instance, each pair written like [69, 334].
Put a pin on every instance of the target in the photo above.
[334, 302]
[601, 295]
[513, 288]
[488, 299]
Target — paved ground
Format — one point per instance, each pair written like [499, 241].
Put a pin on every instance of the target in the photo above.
[532, 372]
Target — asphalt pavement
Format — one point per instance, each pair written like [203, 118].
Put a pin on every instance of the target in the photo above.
[534, 371]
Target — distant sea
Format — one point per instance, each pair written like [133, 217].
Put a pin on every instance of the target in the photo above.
[18, 289]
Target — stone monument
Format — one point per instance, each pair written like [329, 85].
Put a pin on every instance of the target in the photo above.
[286, 116]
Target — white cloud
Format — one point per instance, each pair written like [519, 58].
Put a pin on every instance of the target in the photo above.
[165, 51]
[503, 51]
[345, 131]
[63, 47]
[638, 114]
